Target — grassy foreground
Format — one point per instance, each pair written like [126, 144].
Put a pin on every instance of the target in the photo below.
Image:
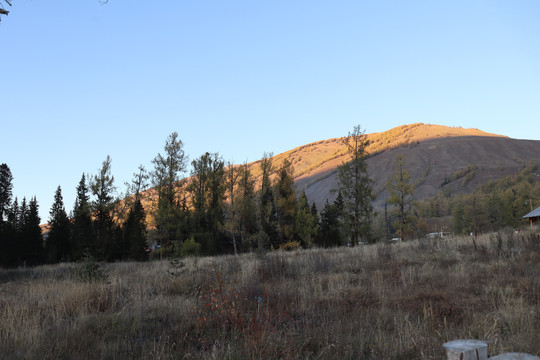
[400, 301]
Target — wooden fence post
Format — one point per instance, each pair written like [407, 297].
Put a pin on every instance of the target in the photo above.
[466, 350]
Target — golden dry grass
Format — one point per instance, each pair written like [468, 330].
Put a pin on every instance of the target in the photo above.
[399, 301]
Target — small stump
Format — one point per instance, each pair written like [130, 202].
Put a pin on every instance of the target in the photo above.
[515, 356]
[466, 350]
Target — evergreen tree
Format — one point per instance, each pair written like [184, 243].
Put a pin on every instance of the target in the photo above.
[339, 205]
[247, 216]
[22, 239]
[232, 174]
[11, 244]
[307, 222]
[216, 207]
[22, 214]
[13, 214]
[102, 187]
[167, 179]
[268, 233]
[22, 243]
[285, 203]
[134, 233]
[330, 227]
[356, 186]
[208, 193]
[315, 212]
[32, 235]
[82, 239]
[13, 218]
[58, 244]
[6, 186]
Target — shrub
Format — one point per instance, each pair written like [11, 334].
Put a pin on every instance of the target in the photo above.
[89, 270]
[190, 248]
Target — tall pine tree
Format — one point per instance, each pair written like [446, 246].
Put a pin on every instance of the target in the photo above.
[82, 239]
[32, 235]
[22, 241]
[102, 187]
[306, 222]
[167, 178]
[6, 186]
[208, 194]
[134, 234]
[356, 186]
[268, 233]
[285, 203]
[58, 244]
[232, 174]
[247, 214]
[12, 238]
[330, 226]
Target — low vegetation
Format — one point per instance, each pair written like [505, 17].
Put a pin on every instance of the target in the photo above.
[381, 301]
[496, 204]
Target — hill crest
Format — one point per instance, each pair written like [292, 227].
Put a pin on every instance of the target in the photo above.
[434, 157]
[315, 157]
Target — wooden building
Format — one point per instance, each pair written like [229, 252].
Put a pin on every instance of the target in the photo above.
[534, 217]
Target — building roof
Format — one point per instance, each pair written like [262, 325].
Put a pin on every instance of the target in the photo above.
[534, 213]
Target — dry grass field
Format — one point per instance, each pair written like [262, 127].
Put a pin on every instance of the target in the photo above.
[399, 301]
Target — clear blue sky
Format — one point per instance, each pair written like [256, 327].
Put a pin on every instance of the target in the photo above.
[80, 81]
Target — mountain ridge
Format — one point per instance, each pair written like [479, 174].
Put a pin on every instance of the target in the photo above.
[435, 156]
[332, 149]
[315, 163]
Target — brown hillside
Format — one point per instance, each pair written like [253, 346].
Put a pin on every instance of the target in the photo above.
[455, 164]
[320, 157]
[437, 158]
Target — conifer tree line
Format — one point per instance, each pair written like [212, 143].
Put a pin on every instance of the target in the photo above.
[218, 207]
